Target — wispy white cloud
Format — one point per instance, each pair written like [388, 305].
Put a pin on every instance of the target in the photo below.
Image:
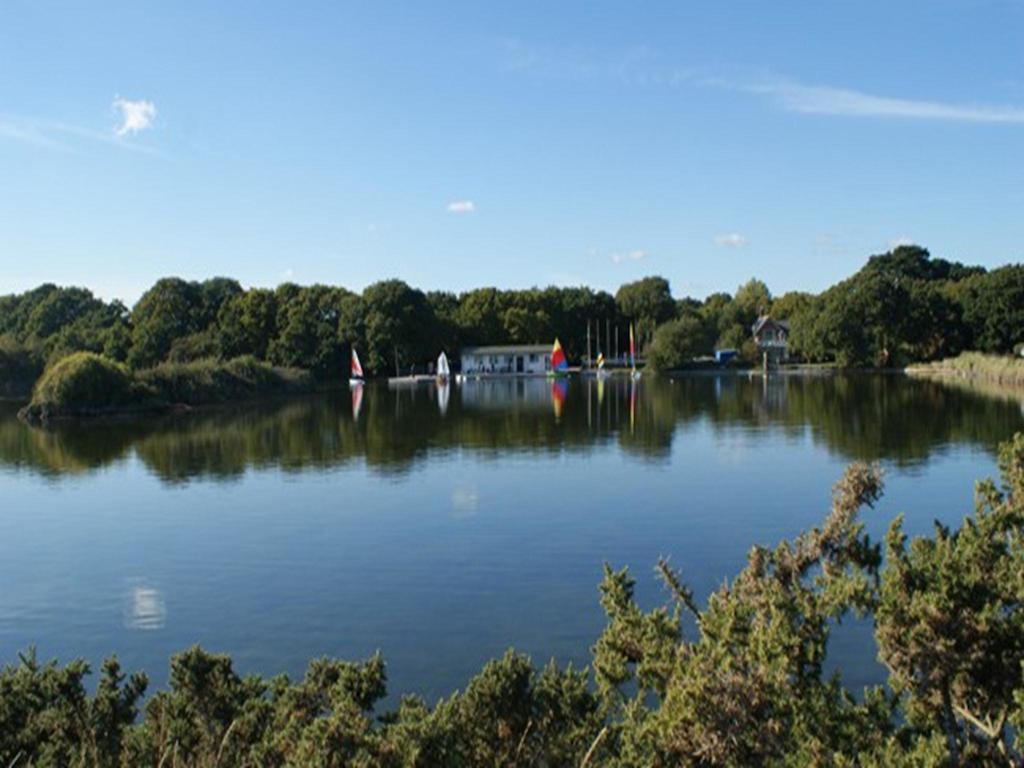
[730, 240]
[135, 116]
[52, 134]
[461, 206]
[618, 257]
[27, 133]
[644, 66]
[828, 100]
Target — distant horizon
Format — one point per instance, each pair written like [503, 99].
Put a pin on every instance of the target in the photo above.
[465, 144]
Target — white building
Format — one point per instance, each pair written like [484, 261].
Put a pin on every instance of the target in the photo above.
[526, 359]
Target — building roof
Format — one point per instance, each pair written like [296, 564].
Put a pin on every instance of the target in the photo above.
[763, 320]
[509, 349]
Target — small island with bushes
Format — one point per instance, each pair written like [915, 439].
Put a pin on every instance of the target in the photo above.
[86, 384]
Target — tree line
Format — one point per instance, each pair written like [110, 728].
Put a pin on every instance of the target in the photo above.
[741, 680]
[901, 306]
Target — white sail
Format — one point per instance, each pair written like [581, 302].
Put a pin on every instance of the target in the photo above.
[443, 369]
[356, 368]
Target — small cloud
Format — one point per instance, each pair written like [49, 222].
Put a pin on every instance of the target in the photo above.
[620, 257]
[135, 115]
[461, 206]
[288, 274]
[897, 242]
[730, 240]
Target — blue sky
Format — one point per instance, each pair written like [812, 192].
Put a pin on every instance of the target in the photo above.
[455, 145]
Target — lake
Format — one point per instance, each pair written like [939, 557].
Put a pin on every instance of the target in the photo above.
[443, 527]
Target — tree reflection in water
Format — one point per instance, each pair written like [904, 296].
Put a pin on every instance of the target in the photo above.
[863, 416]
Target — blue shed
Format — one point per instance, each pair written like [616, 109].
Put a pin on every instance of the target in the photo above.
[725, 355]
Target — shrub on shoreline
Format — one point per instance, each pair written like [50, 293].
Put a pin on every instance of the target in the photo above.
[745, 686]
[86, 384]
[208, 381]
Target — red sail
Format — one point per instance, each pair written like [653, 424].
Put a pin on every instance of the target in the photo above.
[558, 361]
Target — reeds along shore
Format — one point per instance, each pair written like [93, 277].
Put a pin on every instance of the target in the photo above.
[998, 369]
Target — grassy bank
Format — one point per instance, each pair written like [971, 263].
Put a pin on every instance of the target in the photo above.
[85, 385]
[997, 369]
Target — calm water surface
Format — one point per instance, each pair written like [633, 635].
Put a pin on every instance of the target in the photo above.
[444, 527]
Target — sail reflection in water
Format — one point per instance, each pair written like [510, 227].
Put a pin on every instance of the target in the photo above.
[443, 395]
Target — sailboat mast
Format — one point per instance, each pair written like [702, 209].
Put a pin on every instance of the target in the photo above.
[588, 344]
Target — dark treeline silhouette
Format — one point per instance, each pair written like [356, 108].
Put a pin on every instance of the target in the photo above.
[901, 306]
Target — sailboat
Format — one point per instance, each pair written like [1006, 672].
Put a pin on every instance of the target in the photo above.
[559, 365]
[602, 373]
[634, 373]
[444, 371]
[355, 378]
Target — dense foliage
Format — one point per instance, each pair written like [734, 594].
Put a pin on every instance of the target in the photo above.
[901, 306]
[739, 681]
[85, 383]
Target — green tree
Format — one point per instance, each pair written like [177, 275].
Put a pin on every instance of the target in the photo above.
[677, 342]
[993, 309]
[480, 317]
[399, 326]
[247, 323]
[307, 323]
[169, 310]
[647, 302]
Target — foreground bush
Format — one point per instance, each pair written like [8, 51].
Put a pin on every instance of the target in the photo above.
[86, 384]
[747, 689]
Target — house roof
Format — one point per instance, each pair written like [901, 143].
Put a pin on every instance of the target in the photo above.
[509, 349]
[764, 320]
